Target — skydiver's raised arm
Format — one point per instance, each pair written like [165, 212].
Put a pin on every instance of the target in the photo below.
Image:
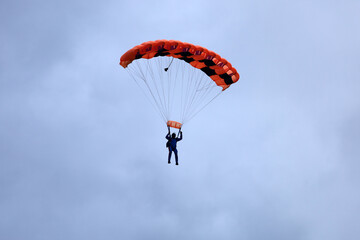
[168, 134]
[179, 139]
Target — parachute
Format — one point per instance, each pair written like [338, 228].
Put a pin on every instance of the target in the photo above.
[179, 78]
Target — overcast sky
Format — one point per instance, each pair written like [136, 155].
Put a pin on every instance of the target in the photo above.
[82, 152]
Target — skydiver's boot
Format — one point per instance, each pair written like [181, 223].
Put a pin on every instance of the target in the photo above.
[176, 159]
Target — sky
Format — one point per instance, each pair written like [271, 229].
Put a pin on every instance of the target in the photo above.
[82, 152]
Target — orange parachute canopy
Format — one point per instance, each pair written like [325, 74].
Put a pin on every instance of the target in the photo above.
[217, 68]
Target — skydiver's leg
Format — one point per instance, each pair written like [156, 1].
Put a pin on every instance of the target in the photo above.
[169, 157]
[176, 157]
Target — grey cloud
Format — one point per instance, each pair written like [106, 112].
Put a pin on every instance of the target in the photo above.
[83, 155]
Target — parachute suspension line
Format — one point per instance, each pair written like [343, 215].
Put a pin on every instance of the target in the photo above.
[172, 86]
[188, 94]
[157, 100]
[189, 81]
[193, 115]
[161, 79]
[164, 83]
[194, 95]
[193, 84]
[169, 65]
[151, 83]
[174, 80]
[182, 101]
[131, 72]
[205, 87]
[168, 81]
[184, 93]
[147, 83]
[200, 101]
[198, 98]
[152, 75]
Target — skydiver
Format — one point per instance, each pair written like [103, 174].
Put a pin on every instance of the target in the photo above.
[171, 144]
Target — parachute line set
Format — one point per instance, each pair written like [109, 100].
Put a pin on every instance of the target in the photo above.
[178, 78]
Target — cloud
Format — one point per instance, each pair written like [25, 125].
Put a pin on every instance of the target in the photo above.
[83, 153]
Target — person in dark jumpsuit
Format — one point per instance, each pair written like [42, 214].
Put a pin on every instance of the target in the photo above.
[171, 144]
